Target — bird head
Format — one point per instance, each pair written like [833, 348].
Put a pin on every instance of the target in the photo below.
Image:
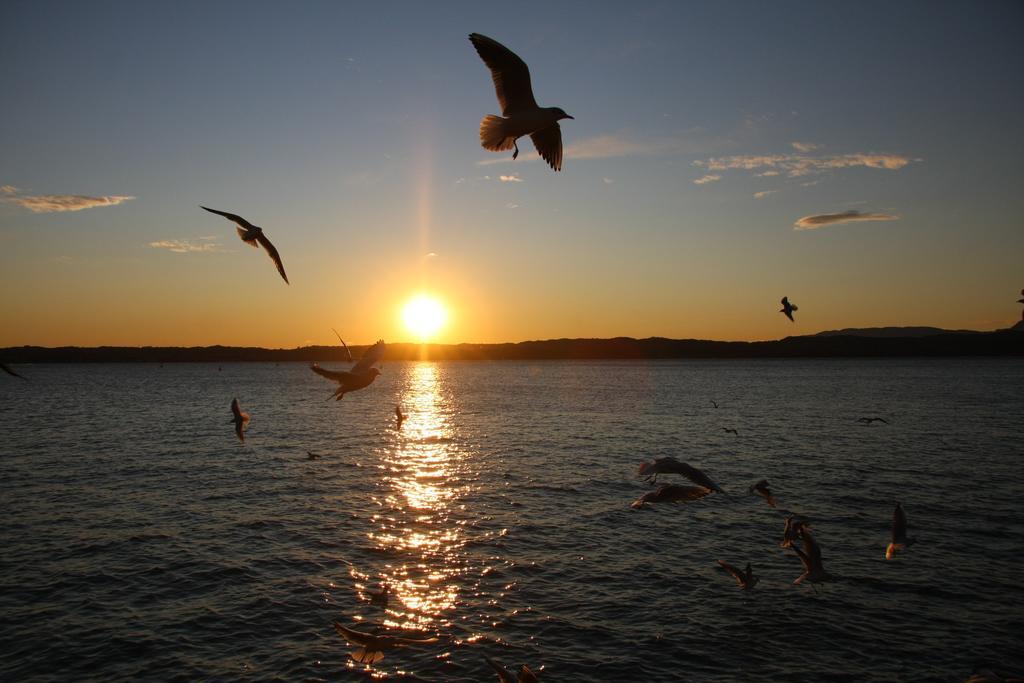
[560, 114]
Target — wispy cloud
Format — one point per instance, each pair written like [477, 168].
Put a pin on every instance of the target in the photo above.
[853, 216]
[710, 178]
[804, 146]
[50, 203]
[187, 246]
[796, 165]
[511, 205]
[514, 178]
[607, 181]
[764, 193]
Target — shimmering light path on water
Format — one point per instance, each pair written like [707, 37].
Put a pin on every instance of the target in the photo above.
[143, 542]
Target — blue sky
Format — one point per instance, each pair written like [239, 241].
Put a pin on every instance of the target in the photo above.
[349, 132]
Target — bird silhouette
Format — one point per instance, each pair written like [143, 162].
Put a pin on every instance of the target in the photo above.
[360, 376]
[240, 419]
[787, 308]
[520, 113]
[372, 646]
[505, 676]
[761, 489]
[5, 368]
[669, 465]
[399, 417]
[869, 420]
[899, 540]
[810, 556]
[671, 493]
[254, 237]
[745, 577]
[791, 533]
[730, 430]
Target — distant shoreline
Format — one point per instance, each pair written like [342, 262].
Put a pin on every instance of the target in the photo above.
[826, 345]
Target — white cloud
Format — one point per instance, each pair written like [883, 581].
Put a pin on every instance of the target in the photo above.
[796, 165]
[764, 193]
[514, 178]
[804, 146]
[853, 216]
[707, 179]
[8, 189]
[511, 205]
[186, 246]
[50, 203]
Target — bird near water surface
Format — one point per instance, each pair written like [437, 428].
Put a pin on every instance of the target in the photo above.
[360, 376]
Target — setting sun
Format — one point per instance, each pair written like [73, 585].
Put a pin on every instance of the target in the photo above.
[424, 316]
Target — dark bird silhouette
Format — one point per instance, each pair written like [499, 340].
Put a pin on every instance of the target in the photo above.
[669, 465]
[380, 597]
[399, 417]
[240, 419]
[761, 489]
[505, 676]
[520, 113]
[1021, 301]
[5, 368]
[810, 556]
[254, 237]
[791, 534]
[671, 493]
[869, 420]
[313, 456]
[348, 354]
[372, 647]
[730, 430]
[745, 577]
[360, 376]
[714, 404]
[788, 308]
[899, 533]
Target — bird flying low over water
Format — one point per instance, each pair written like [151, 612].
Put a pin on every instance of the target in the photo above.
[810, 556]
[12, 373]
[869, 420]
[761, 489]
[505, 676]
[371, 646]
[899, 533]
[745, 577]
[254, 237]
[714, 403]
[671, 493]
[520, 114]
[240, 419]
[788, 308]
[730, 430]
[670, 465]
[380, 597]
[399, 417]
[360, 376]
[791, 534]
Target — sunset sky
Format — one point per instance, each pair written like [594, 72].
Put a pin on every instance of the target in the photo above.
[861, 158]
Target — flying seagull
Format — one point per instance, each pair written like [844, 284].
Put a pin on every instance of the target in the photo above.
[788, 308]
[348, 354]
[371, 647]
[312, 456]
[791, 534]
[254, 237]
[671, 493]
[521, 114]
[899, 533]
[869, 420]
[745, 578]
[730, 430]
[714, 403]
[360, 376]
[399, 417]
[761, 489]
[3, 366]
[670, 465]
[810, 556]
[240, 419]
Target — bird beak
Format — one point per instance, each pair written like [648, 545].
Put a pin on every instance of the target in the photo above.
[570, 117]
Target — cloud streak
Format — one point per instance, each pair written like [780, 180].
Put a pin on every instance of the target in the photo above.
[822, 219]
[52, 203]
[514, 178]
[186, 246]
[710, 178]
[797, 165]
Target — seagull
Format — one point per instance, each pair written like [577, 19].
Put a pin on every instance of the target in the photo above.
[869, 420]
[360, 376]
[745, 578]
[670, 465]
[348, 354]
[810, 556]
[505, 676]
[371, 647]
[312, 455]
[1021, 300]
[399, 417]
[788, 308]
[240, 419]
[254, 237]
[381, 596]
[521, 114]
[5, 368]
[792, 532]
[729, 429]
[714, 403]
[671, 493]
[761, 489]
[899, 533]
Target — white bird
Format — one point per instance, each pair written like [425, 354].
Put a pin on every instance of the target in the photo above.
[360, 376]
[899, 533]
[240, 419]
[788, 308]
[371, 647]
[254, 237]
[671, 493]
[520, 113]
[745, 577]
[670, 465]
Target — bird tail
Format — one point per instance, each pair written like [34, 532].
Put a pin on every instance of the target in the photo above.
[364, 656]
[891, 550]
[493, 135]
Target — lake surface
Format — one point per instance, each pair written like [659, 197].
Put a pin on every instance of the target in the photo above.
[142, 541]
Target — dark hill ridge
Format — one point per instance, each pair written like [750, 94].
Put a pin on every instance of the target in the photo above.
[823, 345]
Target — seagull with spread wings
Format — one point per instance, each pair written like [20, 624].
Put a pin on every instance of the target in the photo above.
[520, 114]
[671, 493]
[810, 556]
[744, 577]
[240, 419]
[254, 237]
[371, 646]
[360, 376]
[788, 308]
[669, 465]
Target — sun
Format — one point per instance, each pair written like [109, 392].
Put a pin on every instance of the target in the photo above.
[424, 316]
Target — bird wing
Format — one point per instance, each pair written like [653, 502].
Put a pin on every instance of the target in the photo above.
[348, 354]
[330, 374]
[371, 357]
[398, 413]
[398, 640]
[527, 676]
[549, 145]
[272, 253]
[804, 558]
[510, 74]
[232, 217]
[899, 525]
[789, 314]
[736, 573]
[503, 674]
[354, 637]
[235, 408]
[9, 371]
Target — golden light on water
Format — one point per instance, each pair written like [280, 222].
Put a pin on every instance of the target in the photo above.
[424, 316]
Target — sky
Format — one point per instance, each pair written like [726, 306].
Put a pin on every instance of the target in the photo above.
[862, 159]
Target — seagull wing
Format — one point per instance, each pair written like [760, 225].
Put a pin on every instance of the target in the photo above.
[371, 357]
[272, 253]
[348, 354]
[398, 640]
[527, 676]
[232, 217]
[549, 145]
[510, 74]
[503, 674]
[10, 372]
[354, 637]
[736, 573]
[789, 314]
[235, 408]
[330, 374]
[899, 525]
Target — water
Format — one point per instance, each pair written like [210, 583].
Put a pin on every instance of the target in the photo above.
[141, 541]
